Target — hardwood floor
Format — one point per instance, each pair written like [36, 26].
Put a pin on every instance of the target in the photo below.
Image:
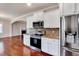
[13, 46]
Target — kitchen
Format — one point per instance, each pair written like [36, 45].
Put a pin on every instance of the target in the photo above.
[34, 30]
[43, 30]
[60, 34]
[40, 29]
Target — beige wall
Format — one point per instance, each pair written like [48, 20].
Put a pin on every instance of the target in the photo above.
[17, 27]
[6, 28]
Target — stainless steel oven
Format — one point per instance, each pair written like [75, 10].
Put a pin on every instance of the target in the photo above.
[35, 41]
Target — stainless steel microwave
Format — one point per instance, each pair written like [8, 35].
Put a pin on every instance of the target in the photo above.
[38, 24]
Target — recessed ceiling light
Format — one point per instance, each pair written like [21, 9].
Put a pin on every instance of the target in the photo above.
[29, 4]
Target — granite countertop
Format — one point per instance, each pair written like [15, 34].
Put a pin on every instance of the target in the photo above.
[53, 37]
[52, 33]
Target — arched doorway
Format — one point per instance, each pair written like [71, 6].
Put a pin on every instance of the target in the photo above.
[17, 28]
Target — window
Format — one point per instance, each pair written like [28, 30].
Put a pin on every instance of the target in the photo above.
[1, 30]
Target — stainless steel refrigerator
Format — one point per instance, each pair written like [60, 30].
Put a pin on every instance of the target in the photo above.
[69, 33]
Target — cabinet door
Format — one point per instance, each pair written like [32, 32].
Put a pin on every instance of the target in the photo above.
[52, 19]
[29, 21]
[26, 40]
[54, 47]
[38, 16]
[77, 8]
[68, 9]
[57, 47]
[55, 19]
[47, 19]
[45, 45]
[56, 51]
[35, 17]
[51, 46]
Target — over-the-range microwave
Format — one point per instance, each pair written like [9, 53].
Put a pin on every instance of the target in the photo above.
[38, 24]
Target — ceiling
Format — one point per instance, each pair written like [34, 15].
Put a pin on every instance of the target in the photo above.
[13, 10]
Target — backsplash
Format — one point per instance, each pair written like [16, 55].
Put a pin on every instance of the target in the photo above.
[48, 32]
[52, 33]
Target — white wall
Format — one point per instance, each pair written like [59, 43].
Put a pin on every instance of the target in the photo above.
[6, 28]
[17, 27]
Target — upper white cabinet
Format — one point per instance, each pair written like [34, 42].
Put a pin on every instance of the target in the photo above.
[46, 20]
[68, 9]
[29, 21]
[77, 8]
[37, 16]
[52, 19]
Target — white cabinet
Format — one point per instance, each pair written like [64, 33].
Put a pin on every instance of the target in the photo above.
[77, 8]
[46, 20]
[51, 46]
[29, 21]
[54, 47]
[26, 40]
[52, 19]
[37, 16]
[68, 9]
[57, 47]
[44, 45]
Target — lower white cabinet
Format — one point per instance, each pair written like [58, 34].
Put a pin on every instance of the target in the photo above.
[44, 45]
[26, 40]
[51, 46]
